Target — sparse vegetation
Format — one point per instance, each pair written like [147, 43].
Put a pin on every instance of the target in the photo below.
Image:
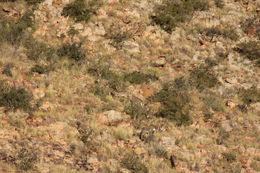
[12, 32]
[14, 98]
[219, 3]
[41, 69]
[133, 163]
[250, 50]
[72, 51]
[136, 110]
[139, 78]
[80, 10]
[26, 159]
[175, 104]
[250, 96]
[171, 13]
[230, 157]
[203, 78]
[223, 32]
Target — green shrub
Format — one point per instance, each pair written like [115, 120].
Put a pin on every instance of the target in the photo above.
[12, 32]
[14, 98]
[136, 109]
[219, 3]
[33, 2]
[133, 163]
[36, 50]
[72, 51]
[79, 10]
[175, 104]
[171, 13]
[202, 78]
[250, 96]
[41, 69]
[7, 69]
[101, 69]
[250, 50]
[213, 102]
[208, 116]
[230, 157]
[224, 32]
[26, 159]
[139, 78]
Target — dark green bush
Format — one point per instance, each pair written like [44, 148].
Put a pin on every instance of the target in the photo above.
[79, 10]
[250, 50]
[72, 51]
[202, 78]
[171, 13]
[134, 163]
[175, 104]
[213, 102]
[14, 98]
[250, 96]
[41, 69]
[139, 78]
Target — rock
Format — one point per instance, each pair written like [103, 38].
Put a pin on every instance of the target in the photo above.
[113, 117]
[160, 62]
[226, 126]
[168, 143]
[230, 104]
[131, 46]
[38, 93]
[78, 26]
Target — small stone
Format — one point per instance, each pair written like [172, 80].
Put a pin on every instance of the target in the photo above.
[113, 117]
[226, 126]
[160, 62]
[230, 104]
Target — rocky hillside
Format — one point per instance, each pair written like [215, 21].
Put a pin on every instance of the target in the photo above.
[129, 86]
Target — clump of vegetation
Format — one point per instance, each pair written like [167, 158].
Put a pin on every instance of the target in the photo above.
[213, 102]
[250, 50]
[171, 13]
[133, 163]
[14, 98]
[224, 32]
[255, 165]
[208, 116]
[7, 69]
[26, 159]
[33, 2]
[222, 137]
[252, 26]
[139, 78]
[202, 78]
[41, 69]
[230, 157]
[219, 3]
[100, 91]
[102, 69]
[12, 32]
[136, 109]
[175, 104]
[79, 10]
[250, 96]
[117, 36]
[72, 51]
[37, 50]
